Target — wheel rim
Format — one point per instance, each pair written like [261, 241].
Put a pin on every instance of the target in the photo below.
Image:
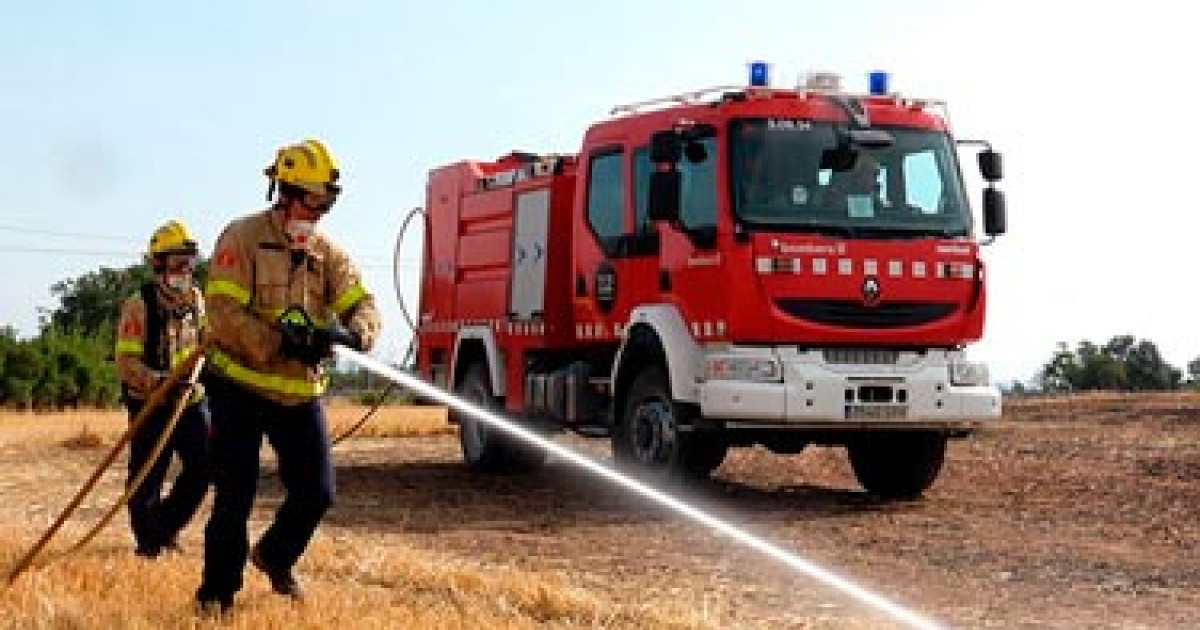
[653, 432]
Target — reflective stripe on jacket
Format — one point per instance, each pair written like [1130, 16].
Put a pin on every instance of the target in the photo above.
[182, 330]
[253, 279]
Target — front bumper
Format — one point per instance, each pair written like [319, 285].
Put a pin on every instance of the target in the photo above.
[850, 389]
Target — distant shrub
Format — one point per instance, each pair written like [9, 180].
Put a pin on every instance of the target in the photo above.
[57, 369]
[372, 397]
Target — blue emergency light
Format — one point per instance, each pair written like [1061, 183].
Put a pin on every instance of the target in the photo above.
[759, 74]
[879, 82]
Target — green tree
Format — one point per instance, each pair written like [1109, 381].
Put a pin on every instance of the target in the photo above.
[1148, 371]
[23, 369]
[91, 303]
[1061, 374]
[1193, 370]
[1124, 363]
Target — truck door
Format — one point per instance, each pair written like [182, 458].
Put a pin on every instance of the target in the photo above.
[623, 273]
[688, 266]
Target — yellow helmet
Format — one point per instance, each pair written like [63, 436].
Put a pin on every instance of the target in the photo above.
[171, 237]
[307, 165]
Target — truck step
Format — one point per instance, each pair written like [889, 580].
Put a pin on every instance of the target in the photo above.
[591, 430]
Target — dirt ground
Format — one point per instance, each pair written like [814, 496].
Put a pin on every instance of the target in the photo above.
[1071, 512]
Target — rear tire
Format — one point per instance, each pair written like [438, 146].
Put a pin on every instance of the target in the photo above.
[655, 438]
[484, 447]
[898, 466]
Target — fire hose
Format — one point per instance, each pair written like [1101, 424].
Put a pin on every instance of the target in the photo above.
[192, 367]
[742, 537]
[184, 397]
[187, 373]
[408, 321]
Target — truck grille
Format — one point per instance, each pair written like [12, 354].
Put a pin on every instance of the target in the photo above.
[861, 356]
[852, 314]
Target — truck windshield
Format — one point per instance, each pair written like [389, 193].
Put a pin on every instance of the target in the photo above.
[790, 174]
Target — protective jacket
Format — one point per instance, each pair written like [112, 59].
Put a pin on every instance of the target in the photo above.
[152, 339]
[253, 278]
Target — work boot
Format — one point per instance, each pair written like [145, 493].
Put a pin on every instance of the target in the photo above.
[213, 606]
[282, 580]
[147, 552]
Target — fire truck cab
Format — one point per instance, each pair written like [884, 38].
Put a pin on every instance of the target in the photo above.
[729, 267]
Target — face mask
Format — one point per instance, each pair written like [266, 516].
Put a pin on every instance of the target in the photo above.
[180, 283]
[299, 233]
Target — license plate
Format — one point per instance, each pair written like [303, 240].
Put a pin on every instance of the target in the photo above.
[876, 412]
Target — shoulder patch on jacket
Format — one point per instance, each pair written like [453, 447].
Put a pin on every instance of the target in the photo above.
[132, 328]
[227, 257]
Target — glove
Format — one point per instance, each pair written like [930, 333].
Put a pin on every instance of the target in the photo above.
[335, 334]
[298, 342]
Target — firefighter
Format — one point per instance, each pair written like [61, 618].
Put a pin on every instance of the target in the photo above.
[855, 191]
[280, 296]
[159, 327]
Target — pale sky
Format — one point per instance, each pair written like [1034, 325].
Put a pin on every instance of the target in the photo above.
[117, 115]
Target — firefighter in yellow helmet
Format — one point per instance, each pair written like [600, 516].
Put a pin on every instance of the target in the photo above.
[280, 296]
[159, 327]
[855, 191]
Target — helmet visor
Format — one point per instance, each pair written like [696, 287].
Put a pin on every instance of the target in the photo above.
[319, 203]
[177, 262]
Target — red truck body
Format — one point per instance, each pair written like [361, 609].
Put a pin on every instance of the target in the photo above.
[785, 321]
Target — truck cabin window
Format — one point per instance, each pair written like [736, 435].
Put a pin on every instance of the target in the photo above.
[698, 182]
[606, 198]
[779, 181]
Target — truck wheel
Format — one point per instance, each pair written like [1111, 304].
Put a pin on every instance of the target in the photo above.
[485, 448]
[898, 466]
[653, 439]
[706, 454]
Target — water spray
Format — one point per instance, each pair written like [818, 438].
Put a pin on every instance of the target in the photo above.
[778, 554]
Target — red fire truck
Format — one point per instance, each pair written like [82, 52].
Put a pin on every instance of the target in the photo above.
[728, 267]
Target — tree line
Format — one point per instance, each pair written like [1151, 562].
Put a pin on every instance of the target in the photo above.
[1125, 363]
[69, 363]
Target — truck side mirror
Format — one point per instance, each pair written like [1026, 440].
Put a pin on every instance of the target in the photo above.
[666, 149]
[838, 159]
[995, 218]
[665, 146]
[991, 166]
[664, 194]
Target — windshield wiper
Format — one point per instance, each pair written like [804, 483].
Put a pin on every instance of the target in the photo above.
[844, 231]
[869, 231]
[909, 231]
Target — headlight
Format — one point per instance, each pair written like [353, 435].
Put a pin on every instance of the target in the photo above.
[744, 369]
[967, 373]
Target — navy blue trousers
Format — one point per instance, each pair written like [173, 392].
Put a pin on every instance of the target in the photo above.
[157, 520]
[240, 420]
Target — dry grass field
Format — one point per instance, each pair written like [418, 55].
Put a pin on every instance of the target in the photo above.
[1071, 512]
[362, 580]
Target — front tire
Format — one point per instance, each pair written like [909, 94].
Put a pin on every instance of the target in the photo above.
[655, 437]
[484, 447]
[898, 466]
